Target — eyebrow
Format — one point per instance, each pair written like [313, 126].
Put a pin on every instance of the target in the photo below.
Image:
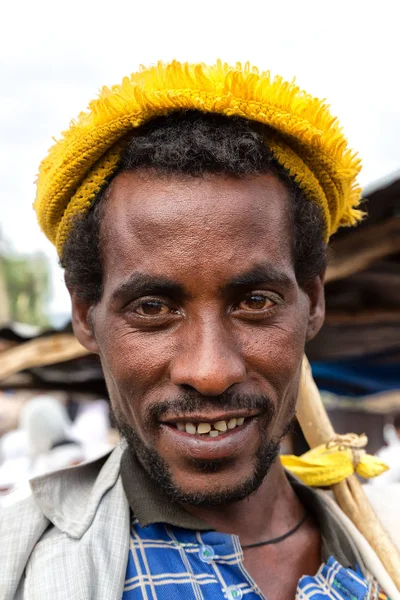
[141, 284]
[265, 273]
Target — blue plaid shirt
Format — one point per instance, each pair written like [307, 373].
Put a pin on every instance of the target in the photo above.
[169, 563]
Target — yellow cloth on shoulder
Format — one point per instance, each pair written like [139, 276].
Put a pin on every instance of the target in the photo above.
[301, 133]
[324, 466]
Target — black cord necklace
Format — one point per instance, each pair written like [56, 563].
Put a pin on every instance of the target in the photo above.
[281, 537]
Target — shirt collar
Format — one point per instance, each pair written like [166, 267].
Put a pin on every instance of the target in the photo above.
[69, 498]
[148, 503]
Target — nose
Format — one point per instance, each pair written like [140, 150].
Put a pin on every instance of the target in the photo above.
[208, 361]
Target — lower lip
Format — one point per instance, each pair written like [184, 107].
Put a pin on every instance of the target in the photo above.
[204, 447]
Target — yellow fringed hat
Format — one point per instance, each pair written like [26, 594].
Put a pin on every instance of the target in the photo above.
[305, 138]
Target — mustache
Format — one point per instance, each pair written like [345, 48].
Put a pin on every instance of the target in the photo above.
[189, 402]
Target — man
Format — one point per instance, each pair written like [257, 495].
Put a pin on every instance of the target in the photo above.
[191, 207]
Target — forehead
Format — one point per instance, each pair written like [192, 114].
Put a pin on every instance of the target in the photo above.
[181, 225]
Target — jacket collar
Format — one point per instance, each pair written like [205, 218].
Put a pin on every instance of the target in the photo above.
[149, 503]
[69, 498]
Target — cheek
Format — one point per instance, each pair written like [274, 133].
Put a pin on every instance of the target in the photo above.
[135, 365]
[275, 353]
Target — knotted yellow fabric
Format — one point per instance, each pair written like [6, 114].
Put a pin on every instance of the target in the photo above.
[302, 135]
[331, 463]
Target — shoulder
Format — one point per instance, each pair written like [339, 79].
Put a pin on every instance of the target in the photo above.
[385, 500]
[16, 511]
[22, 524]
[55, 506]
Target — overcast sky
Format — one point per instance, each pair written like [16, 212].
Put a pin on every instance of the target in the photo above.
[54, 57]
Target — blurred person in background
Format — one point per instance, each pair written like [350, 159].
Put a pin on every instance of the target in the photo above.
[14, 460]
[44, 442]
[91, 428]
[48, 430]
[390, 453]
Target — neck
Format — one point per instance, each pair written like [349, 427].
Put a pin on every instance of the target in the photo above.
[269, 512]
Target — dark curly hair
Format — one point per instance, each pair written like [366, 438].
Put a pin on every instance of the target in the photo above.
[193, 143]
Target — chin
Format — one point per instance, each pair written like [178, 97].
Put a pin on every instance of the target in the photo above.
[204, 493]
[210, 483]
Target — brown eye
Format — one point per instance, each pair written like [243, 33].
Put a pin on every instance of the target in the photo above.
[152, 308]
[256, 302]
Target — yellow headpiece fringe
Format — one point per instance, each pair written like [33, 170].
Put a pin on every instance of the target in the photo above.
[305, 138]
[331, 463]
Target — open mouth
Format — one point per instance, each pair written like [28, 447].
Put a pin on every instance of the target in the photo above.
[211, 428]
[216, 435]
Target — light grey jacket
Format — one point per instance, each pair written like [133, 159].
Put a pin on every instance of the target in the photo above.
[69, 538]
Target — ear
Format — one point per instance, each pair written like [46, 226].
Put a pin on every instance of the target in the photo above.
[315, 292]
[82, 323]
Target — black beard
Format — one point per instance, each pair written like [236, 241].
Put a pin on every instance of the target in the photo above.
[157, 468]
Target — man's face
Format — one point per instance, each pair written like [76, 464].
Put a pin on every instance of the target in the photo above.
[201, 327]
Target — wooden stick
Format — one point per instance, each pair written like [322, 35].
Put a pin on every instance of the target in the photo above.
[359, 250]
[350, 496]
[40, 351]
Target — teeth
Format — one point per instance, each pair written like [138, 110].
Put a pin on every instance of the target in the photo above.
[220, 426]
[190, 428]
[212, 429]
[213, 433]
[203, 427]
